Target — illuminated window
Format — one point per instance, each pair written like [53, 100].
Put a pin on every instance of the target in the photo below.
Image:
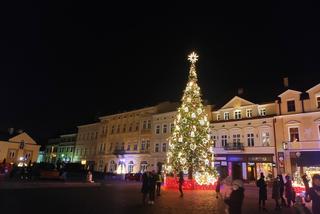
[250, 139]
[226, 116]
[249, 112]
[262, 112]
[236, 140]
[291, 106]
[265, 139]
[294, 134]
[237, 114]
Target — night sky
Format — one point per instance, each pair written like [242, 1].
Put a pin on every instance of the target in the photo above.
[65, 64]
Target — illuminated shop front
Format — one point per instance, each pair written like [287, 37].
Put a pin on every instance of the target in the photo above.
[245, 166]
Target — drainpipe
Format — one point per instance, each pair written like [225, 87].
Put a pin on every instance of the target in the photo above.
[275, 143]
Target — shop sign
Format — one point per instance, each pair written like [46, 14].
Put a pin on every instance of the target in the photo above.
[259, 159]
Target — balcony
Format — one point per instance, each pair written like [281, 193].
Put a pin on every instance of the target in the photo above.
[234, 146]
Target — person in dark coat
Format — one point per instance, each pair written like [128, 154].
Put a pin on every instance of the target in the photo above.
[276, 192]
[235, 200]
[152, 187]
[281, 185]
[289, 193]
[181, 181]
[145, 187]
[159, 182]
[218, 184]
[313, 194]
[261, 183]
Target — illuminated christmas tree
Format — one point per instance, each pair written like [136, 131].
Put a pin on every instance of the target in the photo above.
[190, 145]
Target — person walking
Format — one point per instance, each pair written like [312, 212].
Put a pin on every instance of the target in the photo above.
[289, 191]
[218, 185]
[152, 187]
[281, 186]
[181, 181]
[235, 200]
[145, 187]
[159, 182]
[261, 183]
[276, 192]
[313, 194]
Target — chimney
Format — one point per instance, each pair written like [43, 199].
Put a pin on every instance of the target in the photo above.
[11, 130]
[286, 82]
[240, 91]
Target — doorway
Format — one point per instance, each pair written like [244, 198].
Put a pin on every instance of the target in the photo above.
[236, 170]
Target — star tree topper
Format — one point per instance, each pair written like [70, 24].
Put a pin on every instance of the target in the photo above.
[193, 57]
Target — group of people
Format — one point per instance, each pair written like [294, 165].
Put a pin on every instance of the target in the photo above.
[151, 185]
[281, 188]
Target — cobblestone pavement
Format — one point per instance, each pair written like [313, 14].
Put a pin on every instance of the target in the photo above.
[118, 197]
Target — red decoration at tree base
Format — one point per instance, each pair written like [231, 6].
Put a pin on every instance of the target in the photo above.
[173, 183]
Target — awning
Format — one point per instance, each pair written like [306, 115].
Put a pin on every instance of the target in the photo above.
[310, 158]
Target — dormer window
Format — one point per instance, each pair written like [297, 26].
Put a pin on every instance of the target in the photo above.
[218, 116]
[291, 106]
[226, 116]
[318, 101]
[237, 114]
[262, 112]
[249, 113]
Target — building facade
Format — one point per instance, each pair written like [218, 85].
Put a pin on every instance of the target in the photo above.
[66, 148]
[243, 136]
[298, 131]
[18, 149]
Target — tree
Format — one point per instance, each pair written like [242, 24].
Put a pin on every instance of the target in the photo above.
[190, 145]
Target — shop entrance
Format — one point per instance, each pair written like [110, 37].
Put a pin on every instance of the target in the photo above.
[236, 170]
[251, 172]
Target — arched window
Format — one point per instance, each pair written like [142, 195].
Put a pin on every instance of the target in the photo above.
[130, 167]
[143, 166]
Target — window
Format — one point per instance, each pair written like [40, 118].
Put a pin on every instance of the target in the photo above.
[128, 147]
[143, 145]
[144, 126]
[135, 147]
[214, 140]
[147, 144]
[294, 134]
[112, 129]
[265, 139]
[130, 127]
[130, 167]
[172, 127]
[122, 147]
[164, 128]
[157, 129]
[100, 148]
[12, 154]
[250, 139]
[226, 116]
[236, 140]
[164, 147]
[118, 129]
[137, 126]
[149, 124]
[291, 106]
[110, 149]
[249, 112]
[262, 112]
[143, 166]
[156, 147]
[318, 101]
[124, 129]
[224, 140]
[237, 114]
[218, 116]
